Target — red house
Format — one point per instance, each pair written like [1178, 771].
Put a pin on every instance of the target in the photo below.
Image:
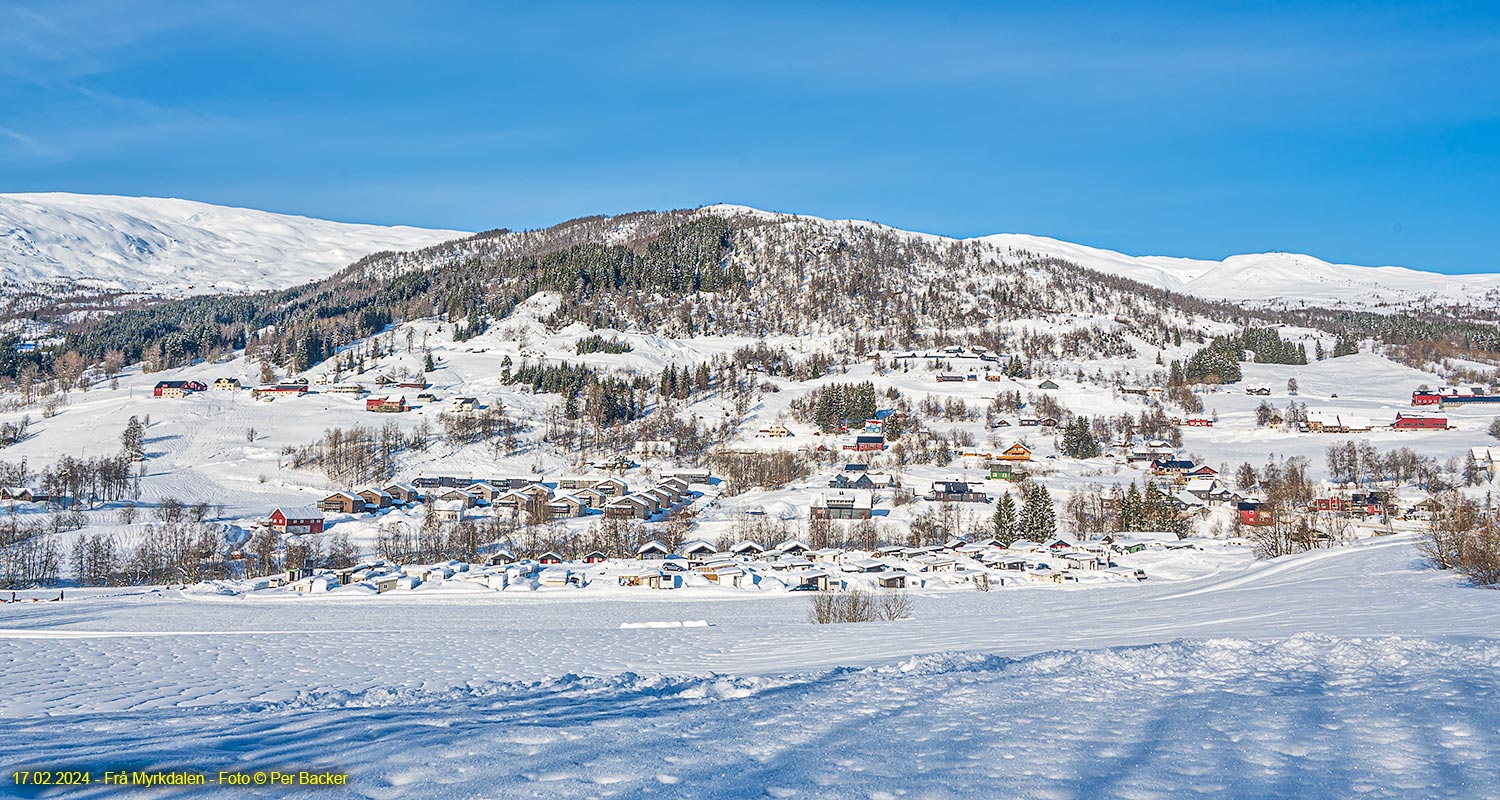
[386, 405]
[297, 520]
[1254, 514]
[1426, 398]
[867, 443]
[1405, 423]
[172, 389]
[280, 390]
[1200, 423]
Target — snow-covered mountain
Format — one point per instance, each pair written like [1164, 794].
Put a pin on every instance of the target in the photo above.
[165, 246]
[1270, 278]
[1260, 279]
[162, 246]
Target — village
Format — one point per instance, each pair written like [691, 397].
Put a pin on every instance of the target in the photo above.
[648, 519]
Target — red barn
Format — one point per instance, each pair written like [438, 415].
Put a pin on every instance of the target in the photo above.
[172, 389]
[1200, 423]
[386, 405]
[1426, 398]
[1423, 423]
[297, 520]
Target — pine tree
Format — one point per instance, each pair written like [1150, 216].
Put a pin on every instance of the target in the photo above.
[133, 439]
[1078, 439]
[1130, 509]
[1038, 519]
[1005, 520]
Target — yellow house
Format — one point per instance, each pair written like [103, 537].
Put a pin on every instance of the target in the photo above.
[1016, 452]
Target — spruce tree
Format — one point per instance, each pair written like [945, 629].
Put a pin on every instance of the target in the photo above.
[1005, 520]
[133, 438]
[1038, 518]
[1130, 509]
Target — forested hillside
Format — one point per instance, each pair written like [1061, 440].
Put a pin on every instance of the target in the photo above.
[729, 271]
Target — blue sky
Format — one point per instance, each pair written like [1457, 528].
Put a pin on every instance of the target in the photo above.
[1362, 132]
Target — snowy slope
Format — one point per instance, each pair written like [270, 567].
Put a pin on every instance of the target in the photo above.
[180, 246]
[1260, 279]
[1266, 277]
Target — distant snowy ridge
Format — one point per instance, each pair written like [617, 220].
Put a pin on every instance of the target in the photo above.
[1263, 278]
[163, 246]
[1257, 279]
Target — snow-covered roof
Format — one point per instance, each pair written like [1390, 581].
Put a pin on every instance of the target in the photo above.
[847, 498]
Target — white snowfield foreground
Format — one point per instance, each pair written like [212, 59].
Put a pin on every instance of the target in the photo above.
[1355, 672]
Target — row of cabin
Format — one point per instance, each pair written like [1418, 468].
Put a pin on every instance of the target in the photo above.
[666, 495]
[371, 498]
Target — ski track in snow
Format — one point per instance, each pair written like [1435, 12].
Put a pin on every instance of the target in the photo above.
[1352, 672]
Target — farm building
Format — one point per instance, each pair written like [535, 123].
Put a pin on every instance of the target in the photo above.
[297, 520]
[177, 389]
[1419, 422]
[386, 405]
[275, 390]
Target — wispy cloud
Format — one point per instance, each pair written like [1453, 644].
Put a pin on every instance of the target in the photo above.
[56, 59]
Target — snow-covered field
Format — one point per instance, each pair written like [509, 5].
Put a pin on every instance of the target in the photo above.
[1353, 672]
